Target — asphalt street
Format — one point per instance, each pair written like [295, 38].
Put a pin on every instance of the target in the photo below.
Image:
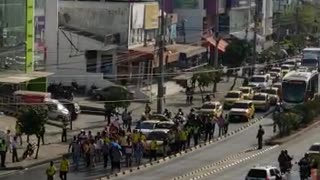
[296, 147]
[172, 168]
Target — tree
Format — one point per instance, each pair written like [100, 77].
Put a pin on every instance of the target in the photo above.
[33, 120]
[206, 77]
[235, 55]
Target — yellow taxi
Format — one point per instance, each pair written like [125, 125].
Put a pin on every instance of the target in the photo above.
[247, 92]
[212, 108]
[261, 101]
[242, 111]
[232, 97]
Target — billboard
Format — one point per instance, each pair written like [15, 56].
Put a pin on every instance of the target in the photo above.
[151, 16]
[29, 36]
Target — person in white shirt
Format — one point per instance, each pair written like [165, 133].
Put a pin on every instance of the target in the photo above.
[14, 146]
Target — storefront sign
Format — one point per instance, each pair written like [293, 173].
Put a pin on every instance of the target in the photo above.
[151, 16]
[186, 4]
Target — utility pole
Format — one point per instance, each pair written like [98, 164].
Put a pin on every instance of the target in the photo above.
[254, 53]
[216, 34]
[161, 67]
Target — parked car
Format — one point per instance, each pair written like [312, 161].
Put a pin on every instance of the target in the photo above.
[212, 107]
[314, 152]
[101, 94]
[263, 173]
[232, 97]
[261, 101]
[160, 135]
[242, 111]
[147, 126]
[247, 92]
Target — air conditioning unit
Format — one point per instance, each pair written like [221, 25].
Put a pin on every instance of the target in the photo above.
[112, 39]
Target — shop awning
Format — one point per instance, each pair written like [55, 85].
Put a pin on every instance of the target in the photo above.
[17, 78]
[221, 45]
[172, 52]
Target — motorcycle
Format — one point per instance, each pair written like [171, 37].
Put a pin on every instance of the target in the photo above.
[29, 151]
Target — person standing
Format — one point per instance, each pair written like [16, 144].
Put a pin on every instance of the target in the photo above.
[76, 154]
[14, 146]
[115, 154]
[92, 151]
[153, 150]
[3, 152]
[260, 136]
[226, 124]
[64, 133]
[221, 125]
[128, 152]
[51, 171]
[138, 151]
[105, 152]
[124, 117]
[64, 168]
[129, 121]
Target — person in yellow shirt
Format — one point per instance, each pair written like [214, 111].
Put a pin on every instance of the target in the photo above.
[135, 137]
[183, 139]
[153, 150]
[142, 137]
[51, 171]
[64, 168]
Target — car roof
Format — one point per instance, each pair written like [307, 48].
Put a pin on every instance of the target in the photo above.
[260, 75]
[235, 91]
[260, 94]
[166, 122]
[245, 87]
[244, 101]
[161, 130]
[212, 102]
[316, 144]
[263, 167]
[151, 121]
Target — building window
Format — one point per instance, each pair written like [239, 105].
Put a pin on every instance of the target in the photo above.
[12, 34]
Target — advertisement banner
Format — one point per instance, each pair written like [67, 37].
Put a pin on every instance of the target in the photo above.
[151, 16]
[29, 36]
[137, 16]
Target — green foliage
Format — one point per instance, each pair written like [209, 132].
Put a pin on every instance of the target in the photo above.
[33, 120]
[236, 53]
[207, 77]
[118, 97]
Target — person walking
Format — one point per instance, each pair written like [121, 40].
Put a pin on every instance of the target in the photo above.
[153, 150]
[64, 133]
[128, 152]
[129, 121]
[14, 146]
[92, 151]
[260, 136]
[64, 168]
[105, 152]
[3, 152]
[76, 154]
[51, 171]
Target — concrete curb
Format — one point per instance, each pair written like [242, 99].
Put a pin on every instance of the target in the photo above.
[294, 134]
[165, 159]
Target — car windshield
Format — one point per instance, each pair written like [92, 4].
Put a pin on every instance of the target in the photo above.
[164, 126]
[245, 91]
[208, 106]
[293, 91]
[257, 79]
[257, 173]
[269, 91]
[240, 105]
[233, 95]
[159, 136]
[276, 70]
[309, 62]
[146, 125]
[315, 148]
[259, 98]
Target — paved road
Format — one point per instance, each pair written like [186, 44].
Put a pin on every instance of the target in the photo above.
[173, 168]
[296, 147]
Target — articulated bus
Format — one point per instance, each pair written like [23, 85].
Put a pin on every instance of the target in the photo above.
[311, 58]
[299, 87]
